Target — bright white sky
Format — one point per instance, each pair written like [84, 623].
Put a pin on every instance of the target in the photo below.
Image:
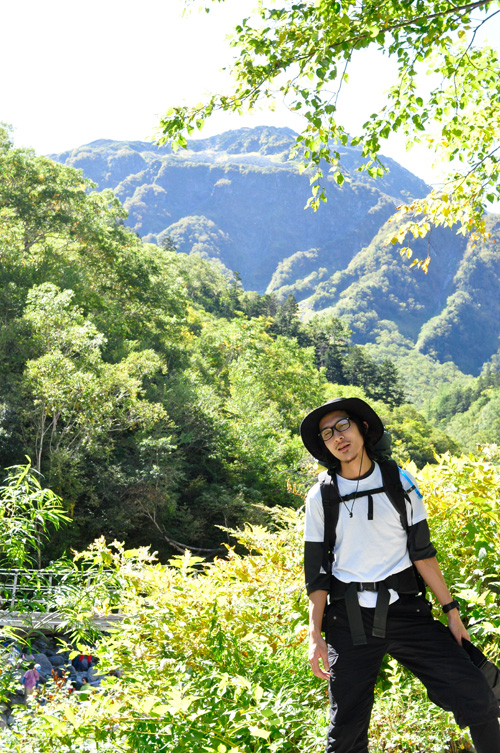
[76, 72]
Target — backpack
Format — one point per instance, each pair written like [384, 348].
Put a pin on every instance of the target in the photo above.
[408, 581]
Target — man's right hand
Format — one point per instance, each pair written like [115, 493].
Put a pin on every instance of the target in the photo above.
[318, 656]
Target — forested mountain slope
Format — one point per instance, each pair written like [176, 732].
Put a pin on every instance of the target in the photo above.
[452, 313]
[158, 397]
[238, 198]
[153, 393]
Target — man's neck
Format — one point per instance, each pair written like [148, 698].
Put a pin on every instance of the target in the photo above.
[355, 469]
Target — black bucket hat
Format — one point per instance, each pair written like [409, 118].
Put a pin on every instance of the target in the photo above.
[354, 407]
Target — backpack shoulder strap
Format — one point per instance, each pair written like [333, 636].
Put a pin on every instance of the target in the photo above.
[398, 496]
[330, 498]
[394, 489]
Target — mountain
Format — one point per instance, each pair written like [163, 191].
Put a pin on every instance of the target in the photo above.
[238, 198]
[451, 314]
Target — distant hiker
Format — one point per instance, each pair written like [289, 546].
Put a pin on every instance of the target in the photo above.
[78, 684]
[82, 662]
[368, 548]
[31, 679]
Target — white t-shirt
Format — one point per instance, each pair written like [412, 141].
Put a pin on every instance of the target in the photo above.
[366, 550]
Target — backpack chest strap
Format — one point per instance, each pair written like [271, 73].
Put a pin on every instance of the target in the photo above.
[359, 495]
[362, 493]
[332, 500]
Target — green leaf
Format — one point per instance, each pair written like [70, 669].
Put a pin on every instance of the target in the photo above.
[259, 732]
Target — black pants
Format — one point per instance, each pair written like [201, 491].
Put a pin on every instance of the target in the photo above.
[427, 649]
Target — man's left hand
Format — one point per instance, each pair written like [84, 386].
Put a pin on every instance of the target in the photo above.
[456, 626]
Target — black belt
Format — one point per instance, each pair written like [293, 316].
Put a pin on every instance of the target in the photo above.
[403, 582]
[367, 586]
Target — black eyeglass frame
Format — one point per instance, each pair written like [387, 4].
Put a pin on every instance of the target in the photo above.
[334, 428]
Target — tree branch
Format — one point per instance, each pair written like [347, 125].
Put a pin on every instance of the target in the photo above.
[177, 545]
[432, 16]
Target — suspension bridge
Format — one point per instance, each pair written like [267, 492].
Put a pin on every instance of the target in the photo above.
[29, 599]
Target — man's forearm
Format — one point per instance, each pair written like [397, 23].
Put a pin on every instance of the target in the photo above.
[317, 603]
[431, 573]
[318, 650]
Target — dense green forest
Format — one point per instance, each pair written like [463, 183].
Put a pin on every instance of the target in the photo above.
[160, 403]
[160, 399]
[156, 396]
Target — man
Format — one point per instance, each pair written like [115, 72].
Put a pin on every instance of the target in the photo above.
[375, 608]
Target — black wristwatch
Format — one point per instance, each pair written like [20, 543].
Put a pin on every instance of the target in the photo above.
[452, 605]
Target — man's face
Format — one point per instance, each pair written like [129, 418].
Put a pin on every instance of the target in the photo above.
[346, 445]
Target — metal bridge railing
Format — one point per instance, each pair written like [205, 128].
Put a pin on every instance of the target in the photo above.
[24, 588]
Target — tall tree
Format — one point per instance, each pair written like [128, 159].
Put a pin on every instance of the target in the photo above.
[73, 398]
[331, 340]
[389, 387]
[301, 53]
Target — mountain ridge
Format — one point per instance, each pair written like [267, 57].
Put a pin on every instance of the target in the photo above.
[237, 198]
[222, 180]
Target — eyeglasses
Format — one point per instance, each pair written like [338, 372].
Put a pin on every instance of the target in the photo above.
[341, 426]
